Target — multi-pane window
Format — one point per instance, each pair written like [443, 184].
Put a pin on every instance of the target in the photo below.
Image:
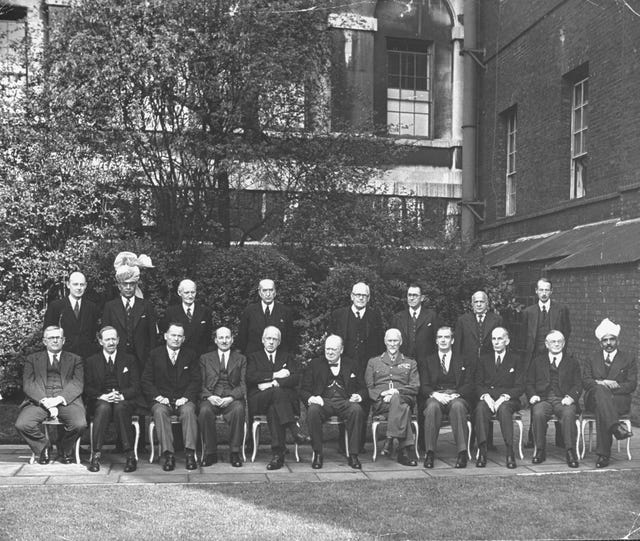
[510, 189]
[409, 99]
[579, 102]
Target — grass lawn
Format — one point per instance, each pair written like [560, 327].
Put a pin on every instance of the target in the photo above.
[600, 505]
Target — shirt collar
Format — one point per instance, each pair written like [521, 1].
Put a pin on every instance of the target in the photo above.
[73, 301]
[336, 368]
[187, 306]
[355, 310]
[273, 353]
[612, 355]
[557, 356]
[547, 305]
[171, 351]
[132, 301]
[415, 311]
[264, 306]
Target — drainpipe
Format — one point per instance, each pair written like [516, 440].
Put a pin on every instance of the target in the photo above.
[469, 127]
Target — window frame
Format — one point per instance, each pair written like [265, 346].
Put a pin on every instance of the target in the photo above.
[511, 125]
[579, 155]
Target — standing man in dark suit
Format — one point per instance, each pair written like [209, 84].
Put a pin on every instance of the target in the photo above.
[111, 386]
[52, 382]
[537, 321]
[449, 385]
[223, 391]
[362, 332]
[554, 385]
[330, 386]
[500, 383]
[77, 316]
[472, 336]
[272, 380]
[195, 317]
[418, 325]
[171, 382]
[609, 379]
[260, 315]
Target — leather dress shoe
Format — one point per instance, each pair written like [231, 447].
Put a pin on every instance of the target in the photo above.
[428, 461]
[316, 463]
[572, 459]
[461, 461]
[299, 439]
[94, 464]
[481, 462]
[354, 462]
[209, 459]
[276, 462]
[404, 459]
[191, 463]
[131, 464]
[602, 461]
[620, 432]
[511, 461]
[387, 447]
[44, 457]
[539, 457]
[169, 462]
[234, 460]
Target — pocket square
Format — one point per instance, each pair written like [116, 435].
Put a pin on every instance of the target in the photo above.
[143, 316]
[352, 375]
[203, 322]
[126, 369]
[186, 368]
[428, 324]
[512, 370]
[463, 368]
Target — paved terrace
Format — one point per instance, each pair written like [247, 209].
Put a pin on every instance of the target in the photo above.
[16, 470]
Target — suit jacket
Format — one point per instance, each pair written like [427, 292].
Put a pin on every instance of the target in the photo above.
[569, 377]
[316, 376]
[374, 333]
[508, 378]
[198, 333]
[144, 327]
[80, 332]
[466, 340]
[95, 373]
[464, 370]
[426, 329]
[34, 377]
[253, 322]
[624, 370]
[157, 379]
[558, 320]
[260, 370]
[381, 372]
[236, 370]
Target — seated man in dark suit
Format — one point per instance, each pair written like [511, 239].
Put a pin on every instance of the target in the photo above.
[223, 391]
[448, 382]
[272, 380]
[553, 386]
[111, 386]
[77, 316]
[499, 382]
[393, 383]
[331, 386]
[171, 383]
[195, 318]
[610, 377]
[52, 382]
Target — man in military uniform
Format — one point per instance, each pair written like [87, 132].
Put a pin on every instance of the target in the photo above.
[393, 383]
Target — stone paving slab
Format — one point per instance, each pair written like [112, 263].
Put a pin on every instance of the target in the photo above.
[11, 481]
[413, 473]
[153, 478]
[351, 475]
[229, 478]
[294, 477]
[93, 479]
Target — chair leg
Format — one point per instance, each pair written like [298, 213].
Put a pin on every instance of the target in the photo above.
[152, 428]
[520, 430]
[91, 437]
[346, 441]
[414, 423]
[577, 437]
[244, 442]
[628, 425]
[136, 429]
[469, 440]
[374, 430]
[254, 434]
[78, 450]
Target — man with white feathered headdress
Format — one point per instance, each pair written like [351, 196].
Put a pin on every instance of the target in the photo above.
[609, 379]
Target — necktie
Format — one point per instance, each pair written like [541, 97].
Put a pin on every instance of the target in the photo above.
[55, 361]
[76, 309]
[415, 315]
[224, 361]
[189, 314]
[554, 362]
[544, 312]
[357, 314]
[442, 364]
[267, 312]
[173, 357]
[608, 361]
[110, 364]
[498, 361]
[128, 307]
[271, 358]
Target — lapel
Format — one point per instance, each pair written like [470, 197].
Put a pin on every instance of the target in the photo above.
[422, 318]
[232, 360]
[616, 365]
[120, 314]
[41, 367]
[533, 321]
[65, 366]
[136, 311]
[473, 323]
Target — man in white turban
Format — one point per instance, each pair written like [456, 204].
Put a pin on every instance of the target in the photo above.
[610, 377]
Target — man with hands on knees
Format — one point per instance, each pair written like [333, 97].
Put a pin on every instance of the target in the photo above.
[171, 383]
[331, 386]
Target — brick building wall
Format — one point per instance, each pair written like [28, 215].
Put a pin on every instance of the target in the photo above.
[532, 50]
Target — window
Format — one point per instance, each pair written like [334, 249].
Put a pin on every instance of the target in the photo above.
[408, 87]
[13, 33]
[579, 102]
[510, 189]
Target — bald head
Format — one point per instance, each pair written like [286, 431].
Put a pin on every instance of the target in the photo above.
[77, 284]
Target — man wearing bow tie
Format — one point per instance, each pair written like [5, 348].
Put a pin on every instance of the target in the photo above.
[195, 317]
[449, 385]
[393, 383]
[223, 391]
[331, 386]
[554, 386]
[171, 382]
[499, 382]
[111, 387]
[268, 312]
[610, 377]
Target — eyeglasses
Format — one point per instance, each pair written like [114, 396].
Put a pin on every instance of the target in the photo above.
[54, 338]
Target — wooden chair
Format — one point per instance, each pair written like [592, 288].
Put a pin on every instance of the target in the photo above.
[588, 418]
[54, 421]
